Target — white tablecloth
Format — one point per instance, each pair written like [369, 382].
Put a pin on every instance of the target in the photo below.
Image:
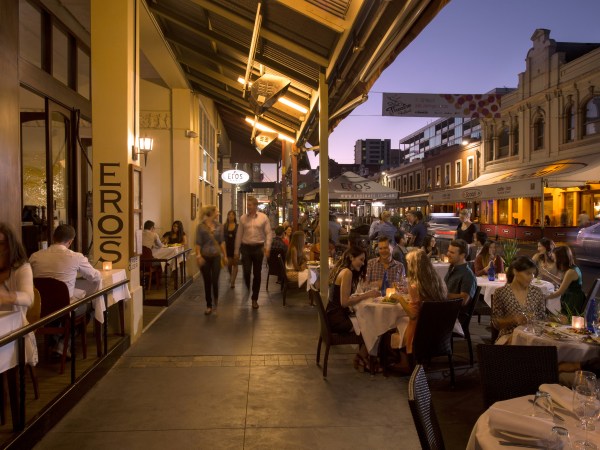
[568, 349]
[483, 437]
[441, 268]
[374, 318]
[489, 287]
[116, 295]
[11, 321]
[167, 252]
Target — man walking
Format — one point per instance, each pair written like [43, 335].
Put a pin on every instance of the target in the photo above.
[253, 241]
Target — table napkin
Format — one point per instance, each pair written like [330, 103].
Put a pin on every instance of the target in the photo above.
[561, 395]
[512, 420]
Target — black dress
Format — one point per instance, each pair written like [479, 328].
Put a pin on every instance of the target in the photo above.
[230, 239]
[338, 316]
[466, 235]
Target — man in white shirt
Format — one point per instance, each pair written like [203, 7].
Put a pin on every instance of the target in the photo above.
[253, 240]
[60, 263]
[149, 237]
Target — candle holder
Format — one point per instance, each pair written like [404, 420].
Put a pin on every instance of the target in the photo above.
[390, 291]
[501, 277]
[106, 265]
[577, 322]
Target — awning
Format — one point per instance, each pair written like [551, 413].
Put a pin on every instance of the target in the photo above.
[525, 182]
[350, 186]
[409, 200]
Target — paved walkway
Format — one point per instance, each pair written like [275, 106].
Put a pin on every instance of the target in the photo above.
[247, 379]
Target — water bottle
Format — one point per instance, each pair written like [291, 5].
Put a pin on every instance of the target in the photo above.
[492, 272]
[384, 284]
[591, 315]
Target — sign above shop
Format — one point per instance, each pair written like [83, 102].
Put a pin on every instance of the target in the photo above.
[235, 176]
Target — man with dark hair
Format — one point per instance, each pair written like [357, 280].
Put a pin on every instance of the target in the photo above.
[376, 267]
[460, 279]
[150, 238]
[417, 230]
[60, 263]
[399, 250]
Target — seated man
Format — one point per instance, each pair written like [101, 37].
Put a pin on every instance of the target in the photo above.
[460, 279]
[384, 263]
[60, 263]
[278, 247]
[149, 237]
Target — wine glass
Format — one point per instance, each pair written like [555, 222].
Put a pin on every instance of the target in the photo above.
[585, 407]
[586, 379]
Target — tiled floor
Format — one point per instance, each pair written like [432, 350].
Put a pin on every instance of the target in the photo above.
[247, 379]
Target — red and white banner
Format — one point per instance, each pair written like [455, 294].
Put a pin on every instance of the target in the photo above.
[441, 105]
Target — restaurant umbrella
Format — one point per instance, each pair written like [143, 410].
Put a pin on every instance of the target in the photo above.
[350, 186]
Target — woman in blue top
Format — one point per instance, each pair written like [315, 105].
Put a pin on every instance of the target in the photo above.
[572, 297]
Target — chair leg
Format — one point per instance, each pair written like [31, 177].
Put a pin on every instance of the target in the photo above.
[451, 364]
[63, 357]
[325, 358]
[34, 381]
[84, 339]
[319, 349]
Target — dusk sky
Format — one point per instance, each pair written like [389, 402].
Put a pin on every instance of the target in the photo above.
[470, 47]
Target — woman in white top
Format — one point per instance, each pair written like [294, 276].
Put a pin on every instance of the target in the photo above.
[16, 283]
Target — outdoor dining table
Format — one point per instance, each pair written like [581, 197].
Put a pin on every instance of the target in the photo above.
[9, 321]
[374, 317]
[441, 268]
[488, 287]
[116, 295]
[570, 346]
[167, 252]
[511, 421]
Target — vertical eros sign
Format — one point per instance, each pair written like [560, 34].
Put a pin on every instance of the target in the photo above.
[110, 223]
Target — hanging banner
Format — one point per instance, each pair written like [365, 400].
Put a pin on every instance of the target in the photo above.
[441, 105]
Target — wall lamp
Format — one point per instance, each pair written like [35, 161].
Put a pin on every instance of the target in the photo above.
[144, 147]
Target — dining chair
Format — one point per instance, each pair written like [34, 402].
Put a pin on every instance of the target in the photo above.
[33, 315]
[433, 333]
[274, 267]
[54, 296]
[326, 335]
[421, 408]
[150, 268]
[509, 371]
[464, 318]
[286, 283]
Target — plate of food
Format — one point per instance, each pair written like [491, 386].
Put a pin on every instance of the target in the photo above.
[579, 331]
[591, 340]
[389, 300]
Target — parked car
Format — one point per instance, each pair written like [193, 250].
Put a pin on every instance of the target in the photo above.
[443, 225]
[588, 243]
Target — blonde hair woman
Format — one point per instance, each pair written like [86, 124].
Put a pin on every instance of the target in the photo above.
[210, 252]
[294, 258]
[466, 229]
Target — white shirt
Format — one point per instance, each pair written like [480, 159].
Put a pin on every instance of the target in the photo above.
[58, 262]
[150, 239]
[253, 230]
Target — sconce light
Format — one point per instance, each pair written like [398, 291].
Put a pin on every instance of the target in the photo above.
[190, 134]
[145, 147]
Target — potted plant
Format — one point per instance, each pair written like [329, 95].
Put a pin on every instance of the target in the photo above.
[511, 248]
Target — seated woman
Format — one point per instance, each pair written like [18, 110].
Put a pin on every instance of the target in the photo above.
[572, 297]
[488, 258]
[516, 298]
[16, 284]
[176, 235]
[481, 238]
[344, 277]
[424, 285]
[429, 247]
[546, 262]
[294, 258]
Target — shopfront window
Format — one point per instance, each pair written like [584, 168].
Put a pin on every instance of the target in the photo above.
[592, 116]
[503, 213]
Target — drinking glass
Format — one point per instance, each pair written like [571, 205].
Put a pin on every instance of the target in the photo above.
[585, 407]
[560, 439]
[542, 406]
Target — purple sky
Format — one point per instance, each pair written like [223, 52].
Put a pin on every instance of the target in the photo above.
[471, 46]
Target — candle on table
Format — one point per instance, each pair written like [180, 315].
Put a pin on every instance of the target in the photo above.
[390, 291]
[577, 322]
[107, 265]
[501, 277]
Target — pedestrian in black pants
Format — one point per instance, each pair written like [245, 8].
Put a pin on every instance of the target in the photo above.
[253, 240]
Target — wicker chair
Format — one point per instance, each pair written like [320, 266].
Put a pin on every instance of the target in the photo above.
[327, 336]
[464, 318]
[433, 334]
[421, 408]
[509, 371]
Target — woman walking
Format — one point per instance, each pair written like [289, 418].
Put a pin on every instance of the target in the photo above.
[210, 250]
[231, 228]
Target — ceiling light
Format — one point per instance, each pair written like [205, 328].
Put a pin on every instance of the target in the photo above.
[283, 100]
[261, 127]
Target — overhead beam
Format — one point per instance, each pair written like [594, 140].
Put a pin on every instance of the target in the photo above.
[318, 15]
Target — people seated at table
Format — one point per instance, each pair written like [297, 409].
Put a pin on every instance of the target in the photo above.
[230, 229]
[546, 262]
[424, 285]
[570, 291]
[466, 229]
[384, 228]
[16, 283]
[516, 299]
[384, 263]
[315, 249]
[429, 247]
[150, 238]
[417, 229]
[287, 235]
[176, 235]
[399, 250]
[460, 279]
[294, 259]
[345, 276]
[63, 264]
[481, 238]
[488, 258]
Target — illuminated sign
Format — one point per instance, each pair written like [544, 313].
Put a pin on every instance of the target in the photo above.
[235, 176]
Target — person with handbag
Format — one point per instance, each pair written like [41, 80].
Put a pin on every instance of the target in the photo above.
[211, 254]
